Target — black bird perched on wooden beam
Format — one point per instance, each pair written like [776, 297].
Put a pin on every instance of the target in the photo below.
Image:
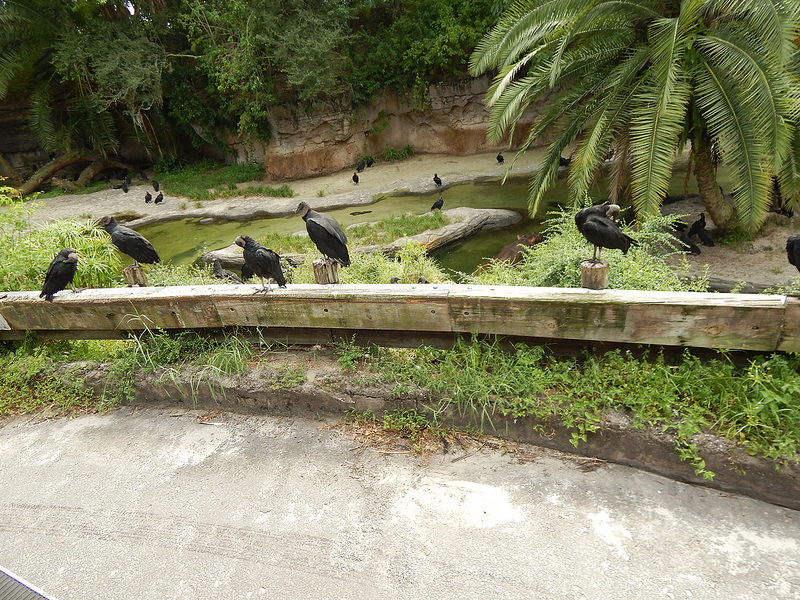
[326, 233]
[130, 242]
[221, 273]
[500, 157]
[437, 180]
[159, 199]
[60, 273]
[596, 225]
[355, 178]
[148, 198]
[263, 262]
[438, 204]
[793, 250]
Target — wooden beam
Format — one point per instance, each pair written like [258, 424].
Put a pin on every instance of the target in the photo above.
[393, 312]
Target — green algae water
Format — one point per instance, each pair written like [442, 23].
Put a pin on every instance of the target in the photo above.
[185, 241]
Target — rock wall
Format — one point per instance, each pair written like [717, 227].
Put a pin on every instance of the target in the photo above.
[452, 121]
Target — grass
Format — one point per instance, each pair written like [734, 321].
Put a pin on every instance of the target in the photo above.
[751, 406]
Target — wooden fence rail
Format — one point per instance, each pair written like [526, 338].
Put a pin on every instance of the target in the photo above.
[406, 314]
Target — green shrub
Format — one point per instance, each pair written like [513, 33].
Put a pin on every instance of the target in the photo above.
[555, 262]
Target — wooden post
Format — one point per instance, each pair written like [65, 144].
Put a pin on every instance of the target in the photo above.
[134, 275]
[594, 275]
[326, 271]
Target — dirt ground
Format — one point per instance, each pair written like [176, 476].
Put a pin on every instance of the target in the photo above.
[761, 262]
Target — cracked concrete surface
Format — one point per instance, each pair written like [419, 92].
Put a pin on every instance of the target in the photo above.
[150, 503]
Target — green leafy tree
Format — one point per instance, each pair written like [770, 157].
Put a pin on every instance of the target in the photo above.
[644, 77]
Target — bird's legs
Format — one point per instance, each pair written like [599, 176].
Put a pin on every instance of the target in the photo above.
[265, 287]
[594, 256]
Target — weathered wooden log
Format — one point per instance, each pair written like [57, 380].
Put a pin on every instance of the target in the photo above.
[326, 271]
[685, 319]
[134, 276]
[594, 275]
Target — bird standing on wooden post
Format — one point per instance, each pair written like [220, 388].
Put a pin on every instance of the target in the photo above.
[326, 233]
[129, 242]
[60, 273]
[597, 227]
[263, 262]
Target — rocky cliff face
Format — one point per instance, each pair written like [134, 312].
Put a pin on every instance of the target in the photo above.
[453, 120]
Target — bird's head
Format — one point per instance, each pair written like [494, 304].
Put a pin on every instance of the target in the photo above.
[105, 221]
[242, 240]
[70, 255]
[302, 209]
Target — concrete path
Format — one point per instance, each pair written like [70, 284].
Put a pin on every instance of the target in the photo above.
[141, 504]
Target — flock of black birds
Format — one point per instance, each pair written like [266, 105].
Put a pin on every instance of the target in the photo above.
[264, 263]
[148, 197]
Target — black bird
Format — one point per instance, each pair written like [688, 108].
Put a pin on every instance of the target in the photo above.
[122, 186]
[437, 180]
[394, 280]
[360, 166]
[130, 242]
[326, 234]
[60, 273]
[705, 237]
[143, 175]
[159, 199]
[247, 272]
[793, 250]
[147, 198]
[687, 244]
[355, 178]
[263, 262]
[698, 228]
[127, 179]
[155, 185]
[370, 161]
[563, 162]
[596, 225]
[438, 204]
[500, 157]
[422, 279]
[221, 273]
[699, 224]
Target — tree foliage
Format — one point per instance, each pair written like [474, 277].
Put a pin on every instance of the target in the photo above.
[179, 73]
[643, 77]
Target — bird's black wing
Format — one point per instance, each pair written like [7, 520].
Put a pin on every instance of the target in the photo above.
[327, 241]
[134, 244]
[603, 232]
[793, 250]
[270, 262]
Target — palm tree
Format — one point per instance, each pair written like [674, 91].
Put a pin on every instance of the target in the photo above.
[643, 78]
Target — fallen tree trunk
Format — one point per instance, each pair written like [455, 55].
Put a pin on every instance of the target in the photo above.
[97, 165]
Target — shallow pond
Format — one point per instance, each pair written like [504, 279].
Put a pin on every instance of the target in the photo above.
[185, 241]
